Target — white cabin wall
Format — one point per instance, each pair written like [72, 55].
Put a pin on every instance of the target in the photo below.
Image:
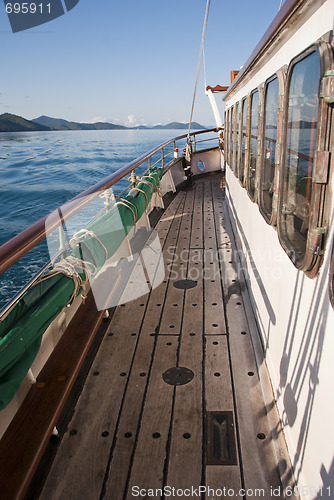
[296, 323]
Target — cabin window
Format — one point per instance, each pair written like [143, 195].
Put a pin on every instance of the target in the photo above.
[302, 113]
[226, 136]
[254, 127]
[269, 148]
[231, 137]
[243, 141]
[236, 139]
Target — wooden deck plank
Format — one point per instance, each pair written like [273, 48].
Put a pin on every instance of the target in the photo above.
[133, 400]
[149, 460]
[172, 315]
[213, 296]
[218, 386]
[178, 262]
[218, 383]
[187, 430]
[223, 482]
[196, 239]
[219, 397]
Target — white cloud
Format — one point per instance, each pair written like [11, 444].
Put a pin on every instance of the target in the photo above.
[131, 121]
[96, 119]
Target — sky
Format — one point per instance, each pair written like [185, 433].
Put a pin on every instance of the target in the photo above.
[128, 62]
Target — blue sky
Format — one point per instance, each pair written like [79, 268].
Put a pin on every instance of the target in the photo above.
[130, 62]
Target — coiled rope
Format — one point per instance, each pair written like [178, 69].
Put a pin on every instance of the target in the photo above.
[70, 267]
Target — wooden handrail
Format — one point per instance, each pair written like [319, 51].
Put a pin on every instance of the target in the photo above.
[19, 245]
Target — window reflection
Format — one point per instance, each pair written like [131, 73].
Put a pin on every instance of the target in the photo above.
[235, 156]
[243, 144]
[299, 154]
[232, 135]
[253, 143]
[227, 136]
[269, 147]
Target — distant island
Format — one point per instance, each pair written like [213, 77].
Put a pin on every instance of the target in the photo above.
[14, 123]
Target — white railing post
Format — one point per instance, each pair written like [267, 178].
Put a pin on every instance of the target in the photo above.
[62, 241]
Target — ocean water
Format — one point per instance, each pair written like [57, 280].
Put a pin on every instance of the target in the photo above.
[40, 171]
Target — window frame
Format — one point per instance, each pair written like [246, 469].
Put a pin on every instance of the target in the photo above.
[226, 143]
[319, 204]
[259, 90]
[280, 76]
[235, 138]
[231, 110]
[242, 164]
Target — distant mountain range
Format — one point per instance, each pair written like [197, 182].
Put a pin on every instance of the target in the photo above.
[59, 124]
[14, 123]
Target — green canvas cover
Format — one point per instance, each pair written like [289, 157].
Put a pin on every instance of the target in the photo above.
[19, 347]
[22, 329]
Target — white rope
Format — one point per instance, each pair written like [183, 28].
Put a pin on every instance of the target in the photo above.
[141, 191]
[199, 63]
[69, 267]
[126, 203]
[80, 235]
[149, 183]
[108, 195]
[71, 264]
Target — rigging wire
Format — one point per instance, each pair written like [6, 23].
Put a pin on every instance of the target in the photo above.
[204, 69]
[199, 63]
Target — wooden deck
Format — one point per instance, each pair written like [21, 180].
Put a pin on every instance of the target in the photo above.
[131, 432]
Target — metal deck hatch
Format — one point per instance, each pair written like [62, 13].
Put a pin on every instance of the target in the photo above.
[220, 439]
[178, 375]
[185, 284]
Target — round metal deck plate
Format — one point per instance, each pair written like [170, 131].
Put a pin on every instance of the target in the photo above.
[178, 375]
[185, 284]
